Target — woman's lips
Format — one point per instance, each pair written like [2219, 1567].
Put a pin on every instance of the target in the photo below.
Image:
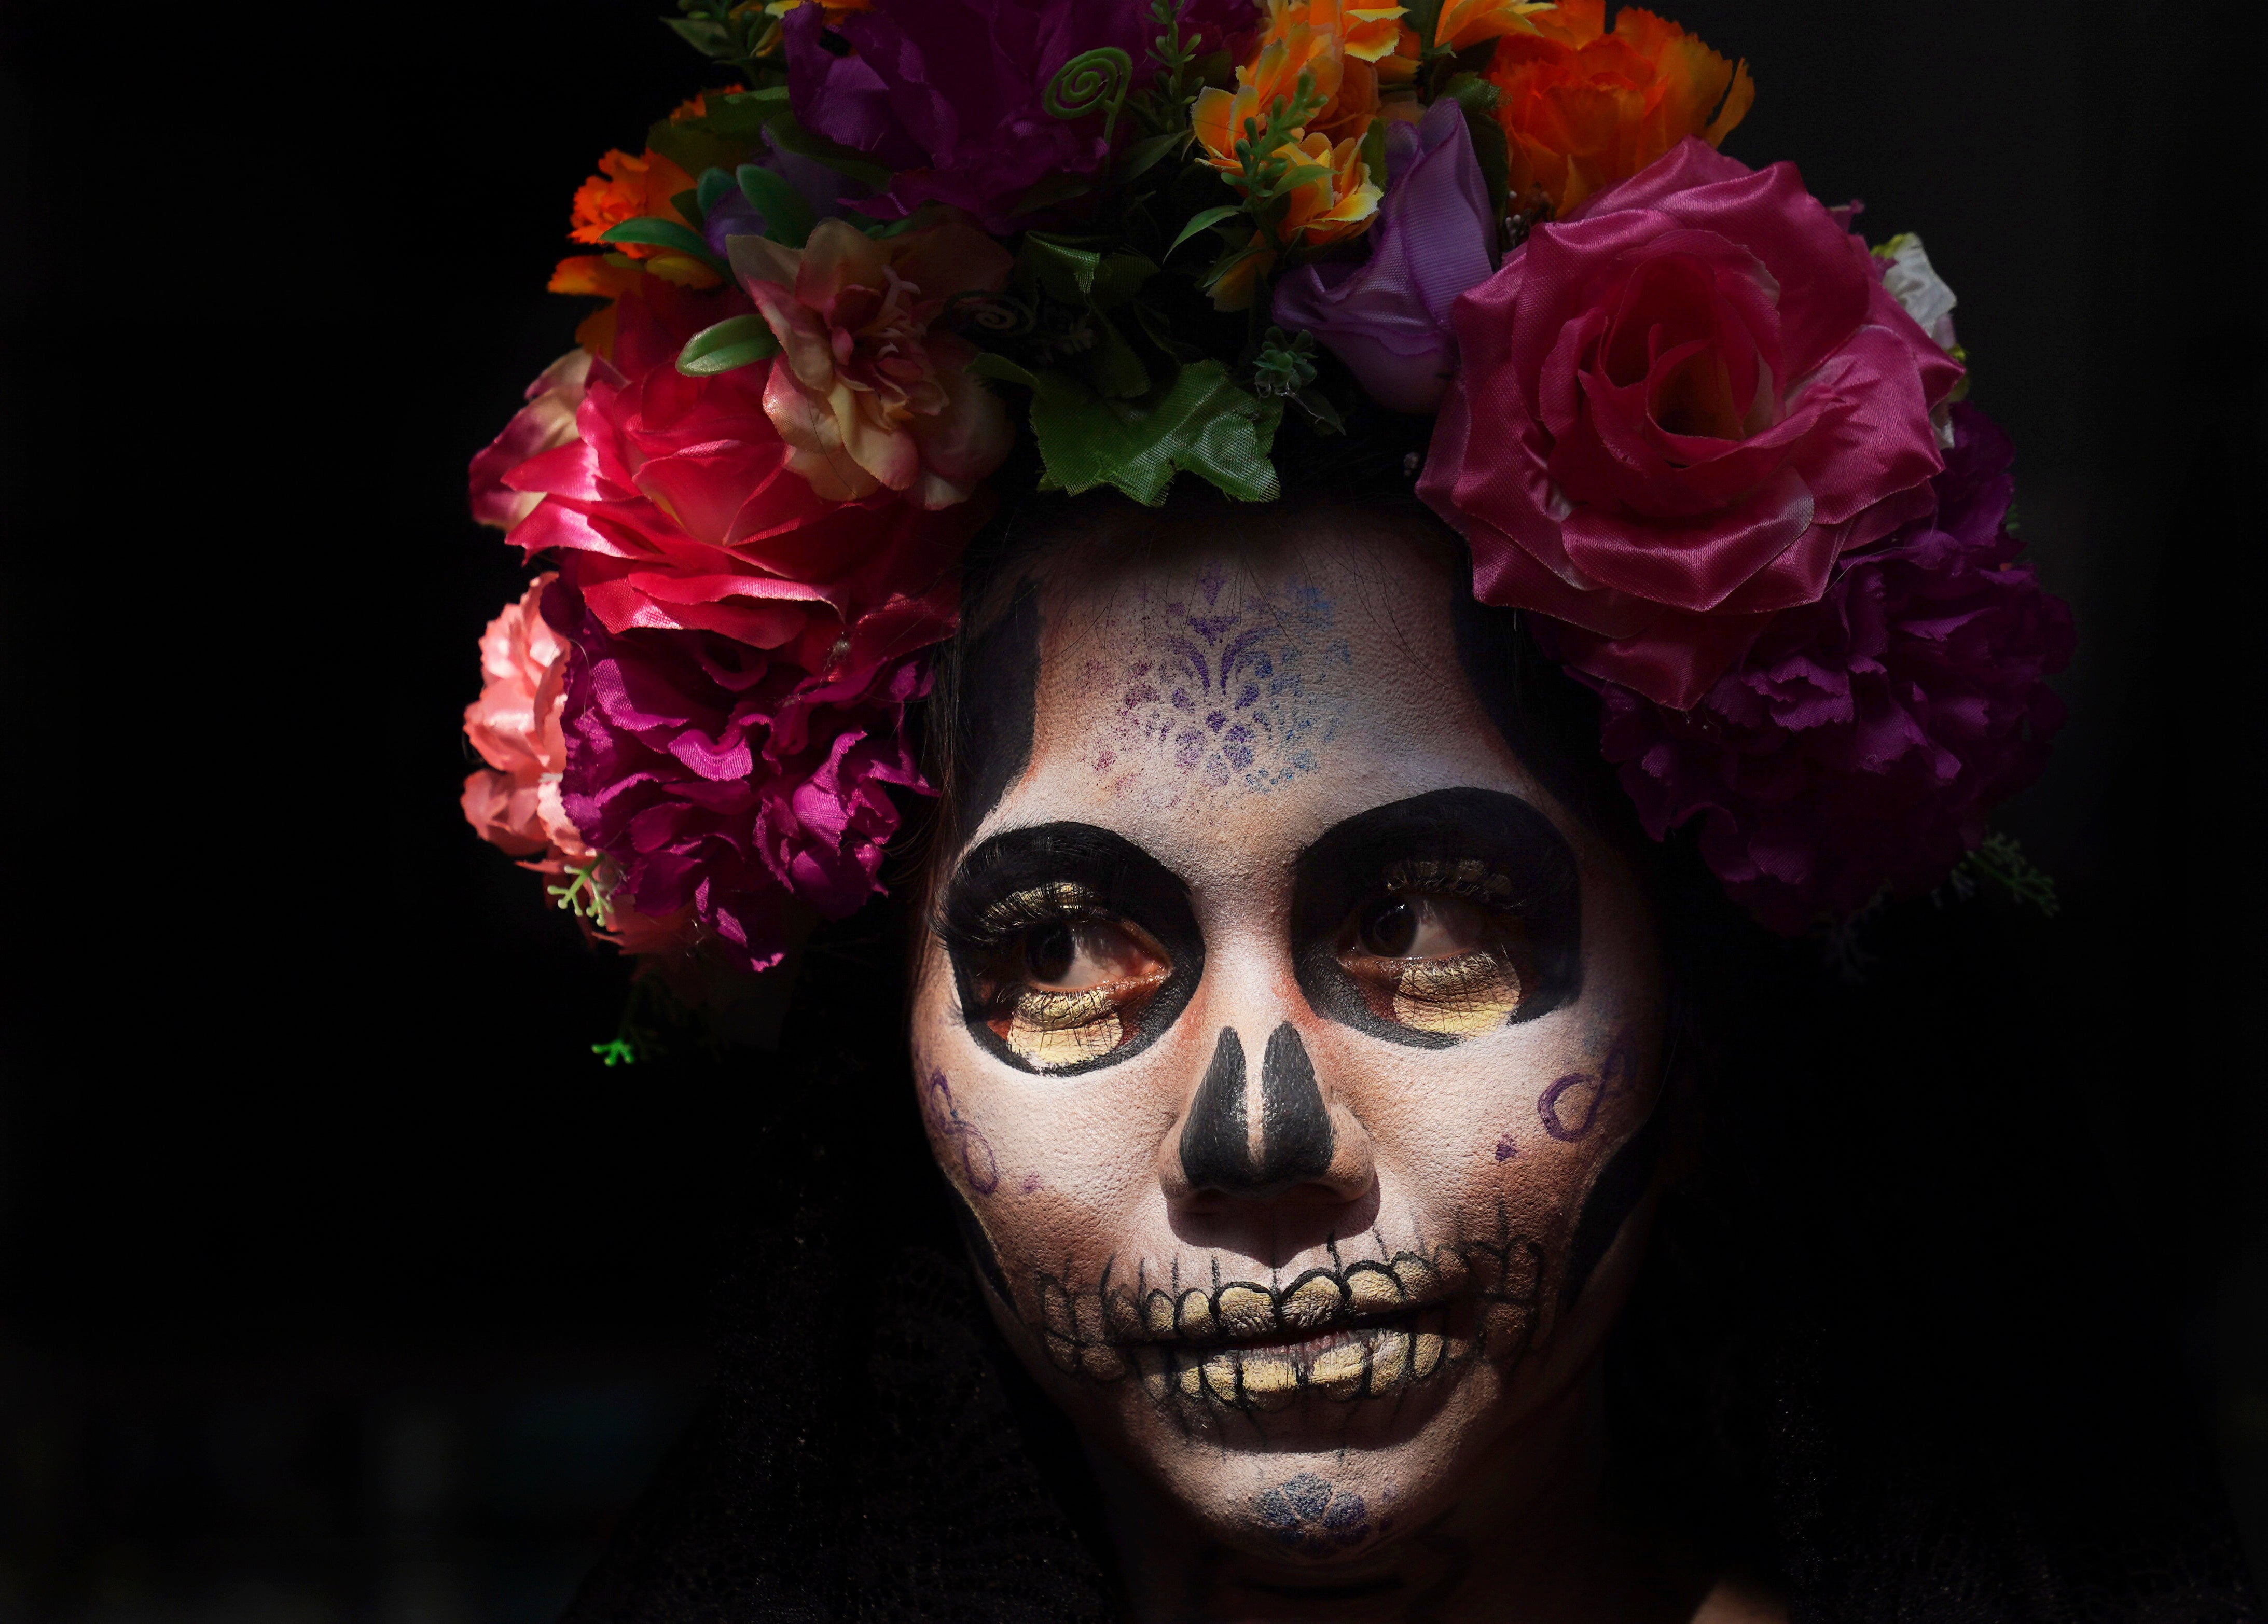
[1368, 1360]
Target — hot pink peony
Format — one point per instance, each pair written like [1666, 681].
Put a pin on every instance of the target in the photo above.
[1678, 408]
[737, 785]
[870, 398]
[1862, 739]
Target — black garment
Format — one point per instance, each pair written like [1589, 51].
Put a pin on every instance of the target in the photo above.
[1886, 1345]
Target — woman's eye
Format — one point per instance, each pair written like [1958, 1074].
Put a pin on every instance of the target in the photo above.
[1436, 963]
[1072, 990]
[1068, 958]
[1423, 927]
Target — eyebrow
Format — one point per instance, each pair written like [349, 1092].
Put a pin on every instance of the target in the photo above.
[1346, 863]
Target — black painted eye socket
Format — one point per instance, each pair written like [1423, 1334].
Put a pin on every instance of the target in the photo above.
[1431, 920]
[1071, 947]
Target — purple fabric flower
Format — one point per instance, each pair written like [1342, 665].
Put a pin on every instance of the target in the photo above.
[1865, 737]
[716, 773]
[1387, 317]
[948, 93]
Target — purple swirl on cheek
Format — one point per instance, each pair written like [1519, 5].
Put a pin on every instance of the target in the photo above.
[978, 1165]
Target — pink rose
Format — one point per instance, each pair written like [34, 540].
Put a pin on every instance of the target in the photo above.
[677, 508]
[546, 421]
[1678, 408]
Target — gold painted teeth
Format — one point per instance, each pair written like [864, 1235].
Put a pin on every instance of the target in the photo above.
[1373, 1363]
[1314, 1302]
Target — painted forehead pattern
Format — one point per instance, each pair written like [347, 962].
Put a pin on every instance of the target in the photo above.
[1491, 848]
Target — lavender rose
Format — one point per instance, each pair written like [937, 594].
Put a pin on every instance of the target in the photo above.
[1387, 317]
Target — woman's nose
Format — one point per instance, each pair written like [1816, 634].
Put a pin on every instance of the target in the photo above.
[1258, 1144]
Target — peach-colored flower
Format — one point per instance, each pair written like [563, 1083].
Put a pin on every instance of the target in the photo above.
[515, 726]
[1582, 108]
[867, 393]
[515, 802]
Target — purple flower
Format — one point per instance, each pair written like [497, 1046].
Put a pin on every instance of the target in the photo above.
[1865, 737]
[1387, 317]
[949, 94]
[719, 775]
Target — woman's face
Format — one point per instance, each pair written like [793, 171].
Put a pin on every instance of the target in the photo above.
[1288, 1044]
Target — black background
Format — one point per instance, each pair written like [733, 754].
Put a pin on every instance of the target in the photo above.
[337, 1272]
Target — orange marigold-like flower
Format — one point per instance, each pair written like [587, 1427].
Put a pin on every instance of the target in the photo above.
[1334, 46]
[1582, 108]
[605, 276]
[1466, 22]
[628, 188]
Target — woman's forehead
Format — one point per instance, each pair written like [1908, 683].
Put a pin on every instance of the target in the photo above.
[1223, 706]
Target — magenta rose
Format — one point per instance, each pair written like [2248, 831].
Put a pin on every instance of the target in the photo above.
[1678, 408]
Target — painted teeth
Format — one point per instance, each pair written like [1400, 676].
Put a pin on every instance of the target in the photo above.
[1314, 1301]
[1337, 1373]
[1371, 1290]
[1247, 1310]
[1195, 1315]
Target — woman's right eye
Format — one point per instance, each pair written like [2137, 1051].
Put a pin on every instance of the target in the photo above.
[1071, 990]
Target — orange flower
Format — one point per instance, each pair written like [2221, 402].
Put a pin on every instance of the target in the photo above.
[696, 105]
[628, 188]
[638, 188]
[1582, 109]
[1465, 22]
[1334, 45]
[606, 276]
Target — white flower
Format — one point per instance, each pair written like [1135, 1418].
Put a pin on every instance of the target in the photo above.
[1919, 288]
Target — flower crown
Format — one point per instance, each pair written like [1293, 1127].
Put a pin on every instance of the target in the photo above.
[1725, 470]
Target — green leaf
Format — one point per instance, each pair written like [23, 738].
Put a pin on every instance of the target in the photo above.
[1203, 424]
[1210, 216]
[704, 34]
[1066, 271]
[1053, 190]
[1113, 366]
[788, 218]
[1147, 153]
[688, 203]
[742, 115]
[713, 184]
[1374, 152]
[1119, 278]
[670, 235]
[736, 341]
[1001, 370]
[846, 161]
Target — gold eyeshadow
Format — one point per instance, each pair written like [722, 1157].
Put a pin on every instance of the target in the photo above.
[1457, 997]
[1050, 1030]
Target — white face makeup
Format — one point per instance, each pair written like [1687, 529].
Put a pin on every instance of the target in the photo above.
[1289, 1047]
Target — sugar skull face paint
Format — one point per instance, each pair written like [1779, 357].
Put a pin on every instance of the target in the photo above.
[1313, 1068]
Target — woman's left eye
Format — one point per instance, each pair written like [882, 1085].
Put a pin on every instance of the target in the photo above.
[1071, 990]
[1423, 926]
[1435, 962]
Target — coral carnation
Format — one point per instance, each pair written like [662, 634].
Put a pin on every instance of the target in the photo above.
[1864, 738]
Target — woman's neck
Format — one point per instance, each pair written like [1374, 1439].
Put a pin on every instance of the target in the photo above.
[1527, 1538]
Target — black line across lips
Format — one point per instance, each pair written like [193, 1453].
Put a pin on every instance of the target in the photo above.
[1365, 1329]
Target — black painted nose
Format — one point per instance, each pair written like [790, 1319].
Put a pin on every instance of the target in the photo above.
[1219, 1151]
